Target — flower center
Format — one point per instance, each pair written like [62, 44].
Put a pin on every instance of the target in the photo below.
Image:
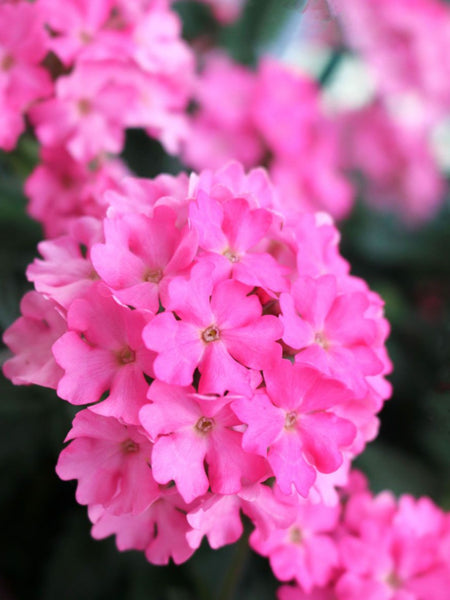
[85, 37]
[153, 275]
[295, 536]
[321, 340]
[129, 447]
[84, 106]
[291, 420]
[204, 425]
[6, 62]
[126, 356]
[393, 581]
[232, 256]
[211, 334]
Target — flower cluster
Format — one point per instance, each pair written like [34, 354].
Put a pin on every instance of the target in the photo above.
[88, 71]
[374, 547]
[273, 115]
[228, 359]
[391, 138]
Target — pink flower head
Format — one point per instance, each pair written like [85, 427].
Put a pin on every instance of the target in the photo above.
[219, 329]
[221, 129]
[111, 462]
[292, 422]
[400, 172]
[142, 254]
[393, 551]
[103, 351]
[190, 431]
[394, 38]
[31, 338]
[178, 309]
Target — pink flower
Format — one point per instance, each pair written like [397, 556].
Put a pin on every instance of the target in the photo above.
[142, 254]
[64, 273]
[31, 338]
[22, 79]
[219, 329]
[233, 233]
[395, 40]
[190, 431]
[393, 551]
[305, 551]
[76, 26]
[111, 462]
[292, 422]
[103, 352]
[330, 331]
[160, 531]
[89, 113]
[222, 128]
[218, 517]
[78, 187]
[400, 172]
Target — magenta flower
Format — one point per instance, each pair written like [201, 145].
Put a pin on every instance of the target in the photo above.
[294, 425]
[232, 237]
[394, 551]
[304, 551]
[111, 462]
[103, 352]
[190, 431]
[142, 254]
[330, 330]
[160, 530]
[31, 338]
[215, 328]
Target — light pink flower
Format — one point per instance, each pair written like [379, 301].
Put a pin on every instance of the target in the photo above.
[142, 254]
[330, 331]
[393, 551]
[111, 461]
[400, 172]
[31, 338]
[77, 187]
[103, 352]
[190, 431]
[65, 271]
[22, 79]
[232, 235]
[160, 531]
[219, 330]
[293, 423]
[305, 551]
[218, 516]
[394, 38]
[89, 113]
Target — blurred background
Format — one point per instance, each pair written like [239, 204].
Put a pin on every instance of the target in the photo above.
[46, 552]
